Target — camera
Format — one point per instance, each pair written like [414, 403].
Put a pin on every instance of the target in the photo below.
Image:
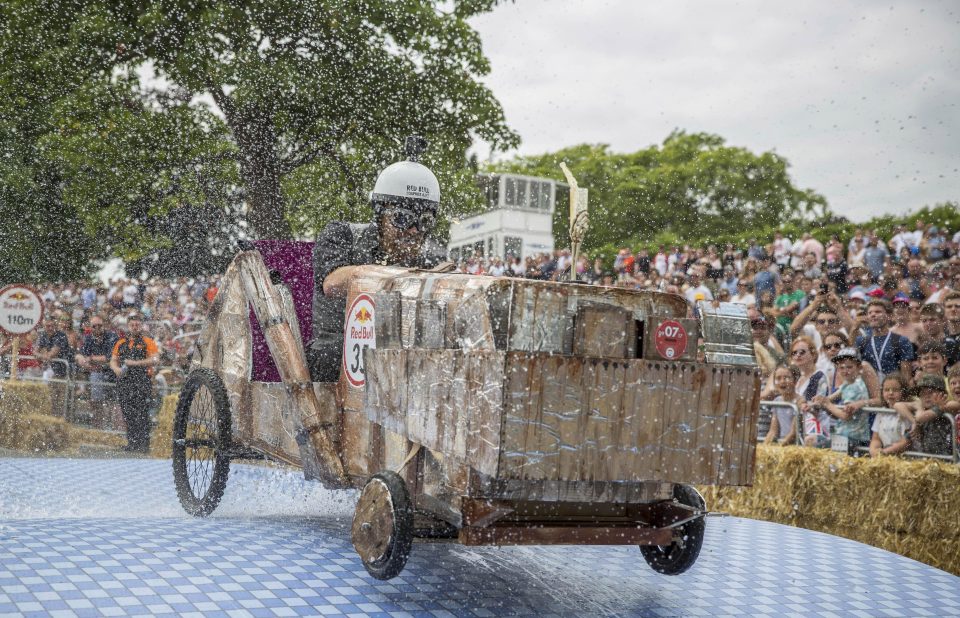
[824, 288]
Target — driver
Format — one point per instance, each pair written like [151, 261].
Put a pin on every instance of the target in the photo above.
[405, 199]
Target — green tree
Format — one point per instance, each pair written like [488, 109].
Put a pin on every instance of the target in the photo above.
[691, 186]
[286, 107]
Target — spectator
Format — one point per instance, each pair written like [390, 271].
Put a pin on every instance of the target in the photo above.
[660, 261]
[913, 284]
[765, 280]
[811, 384]
[931, 429]
[811, 266]
[936, 244]
[886, 351]
[782, 248]
[835, 271]
[132, 361]
[890, 431]
[874, 257]
[783, 425]
[730, 281]
[642, 264]
[846, 404]
[812, 245]
[933, 323]
[951, 311]
[787, 302]
[53, 351]
[744, 294]
[902, 324]
[697, 291]
[94, 357]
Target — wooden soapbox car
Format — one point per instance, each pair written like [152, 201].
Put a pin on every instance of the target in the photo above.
[480, 410]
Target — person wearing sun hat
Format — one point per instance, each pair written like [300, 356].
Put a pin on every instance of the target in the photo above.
[931, 429]
[846, 404]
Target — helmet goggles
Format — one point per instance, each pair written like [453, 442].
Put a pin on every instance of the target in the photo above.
[405, 218]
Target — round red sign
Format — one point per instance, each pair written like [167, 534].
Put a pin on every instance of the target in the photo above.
[670, 339]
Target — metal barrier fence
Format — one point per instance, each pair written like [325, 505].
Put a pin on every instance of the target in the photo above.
[768, 408]
[84, 399]
[954, 455]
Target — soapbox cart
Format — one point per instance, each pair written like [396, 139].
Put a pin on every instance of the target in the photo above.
[480, 410]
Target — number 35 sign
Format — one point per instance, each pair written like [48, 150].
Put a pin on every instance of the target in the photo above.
[358, 335]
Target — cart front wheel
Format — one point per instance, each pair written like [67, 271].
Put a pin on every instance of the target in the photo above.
[383, 525]
[201, 436]
[680, 555]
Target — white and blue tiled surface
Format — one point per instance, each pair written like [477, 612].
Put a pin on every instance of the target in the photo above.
[108, 538]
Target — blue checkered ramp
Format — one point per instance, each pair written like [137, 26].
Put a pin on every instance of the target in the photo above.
[108, 538]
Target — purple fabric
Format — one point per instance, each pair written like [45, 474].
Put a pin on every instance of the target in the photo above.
[294, 261]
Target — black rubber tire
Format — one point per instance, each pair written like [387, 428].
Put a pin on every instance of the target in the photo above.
[398, 549]
[676, 558]
[189, 467]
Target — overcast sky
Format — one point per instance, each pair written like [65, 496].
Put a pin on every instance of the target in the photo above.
[860, 97]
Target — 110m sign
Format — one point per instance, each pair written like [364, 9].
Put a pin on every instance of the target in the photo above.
[21, 310]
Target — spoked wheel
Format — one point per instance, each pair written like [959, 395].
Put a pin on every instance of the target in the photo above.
[201, 437]
[383, 525]
[680, 555]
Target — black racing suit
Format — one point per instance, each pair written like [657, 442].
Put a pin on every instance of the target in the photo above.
[345, 244]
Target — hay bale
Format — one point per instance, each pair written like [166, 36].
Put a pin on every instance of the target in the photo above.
[901, 505]
[43, 433]
[20, 400]
[160, 441]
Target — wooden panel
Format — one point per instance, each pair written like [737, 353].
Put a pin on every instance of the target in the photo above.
[710, 427]
[565, 535]
[604, 330]
[485, 403]
[569, 418]
[653, 378]
[605, 421]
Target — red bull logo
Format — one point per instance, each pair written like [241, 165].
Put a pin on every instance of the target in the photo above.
[363, 316]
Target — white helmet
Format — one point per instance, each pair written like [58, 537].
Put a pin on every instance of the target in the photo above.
[408, 183]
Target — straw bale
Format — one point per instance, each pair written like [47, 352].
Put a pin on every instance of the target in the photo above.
[904, 505]
[19, 401]
[160, 440]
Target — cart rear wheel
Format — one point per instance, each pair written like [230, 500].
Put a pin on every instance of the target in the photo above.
[383, 525]
[680, 555]
[201, 437]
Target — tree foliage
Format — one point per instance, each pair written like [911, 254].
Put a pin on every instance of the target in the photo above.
[691, 186]
[272, 115]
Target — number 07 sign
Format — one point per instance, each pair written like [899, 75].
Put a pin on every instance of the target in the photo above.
[358, 335]
[670, 339]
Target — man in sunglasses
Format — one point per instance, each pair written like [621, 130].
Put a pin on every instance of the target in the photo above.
[404, 200]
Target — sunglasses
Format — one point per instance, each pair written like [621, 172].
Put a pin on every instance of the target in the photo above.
[799, 352]
[825, 322]
[404, 219]
[832, 346]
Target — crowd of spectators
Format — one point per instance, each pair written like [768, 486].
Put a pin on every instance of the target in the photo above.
[857, 323]
[83, 318]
